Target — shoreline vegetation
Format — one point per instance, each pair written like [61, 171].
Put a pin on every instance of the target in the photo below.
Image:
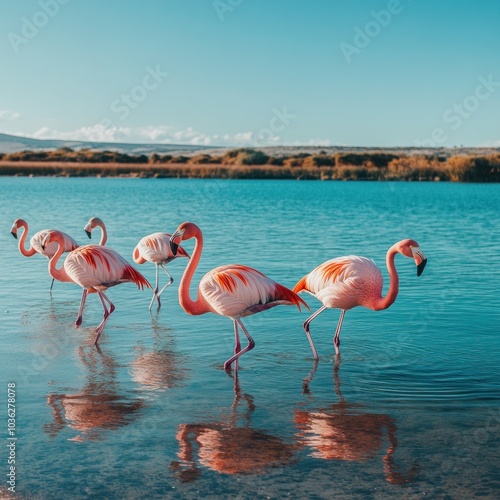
[247, 163]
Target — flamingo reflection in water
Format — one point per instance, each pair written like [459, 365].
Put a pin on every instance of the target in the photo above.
[228, 447]
[343, 432]
[161, 368]
[99, 406]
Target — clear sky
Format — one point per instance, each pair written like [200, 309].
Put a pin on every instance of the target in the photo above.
[252, 72]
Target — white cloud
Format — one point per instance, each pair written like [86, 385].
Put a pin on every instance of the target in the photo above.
[9, 115]
[166, 134]
[163, 134]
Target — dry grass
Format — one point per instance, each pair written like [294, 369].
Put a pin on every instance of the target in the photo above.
[463, 168]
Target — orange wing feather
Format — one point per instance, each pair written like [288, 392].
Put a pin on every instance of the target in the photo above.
[135, 276]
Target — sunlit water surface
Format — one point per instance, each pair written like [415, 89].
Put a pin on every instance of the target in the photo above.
[411, 411]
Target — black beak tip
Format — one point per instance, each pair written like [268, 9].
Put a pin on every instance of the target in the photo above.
[89, 234]
[14, 234]
[174, 247]
[421, 267]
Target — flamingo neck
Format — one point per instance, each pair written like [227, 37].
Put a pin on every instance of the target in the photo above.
[392, 293]
[27, 252]
[198, 306]
[104, 235]
[58, 274]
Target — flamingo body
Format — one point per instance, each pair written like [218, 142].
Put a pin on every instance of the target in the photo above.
[98, 267]
[347, 282]
[155, 248]
[237, 291]
[233, 290]
[95, 268]
[344, 283]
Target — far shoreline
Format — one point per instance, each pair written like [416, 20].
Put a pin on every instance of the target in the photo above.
[221, 171]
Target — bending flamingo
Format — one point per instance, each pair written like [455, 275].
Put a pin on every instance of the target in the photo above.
[36, 240]
[95, 268]
[93, 223]
[347, 282]
[233, 290]
[155, 248]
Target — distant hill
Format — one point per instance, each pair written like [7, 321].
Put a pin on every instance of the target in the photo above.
[12, 144]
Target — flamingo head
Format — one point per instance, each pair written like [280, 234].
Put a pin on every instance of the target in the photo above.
[185, 231]
[52, 236]
[410, 248]
[91, 224]
[16, 225]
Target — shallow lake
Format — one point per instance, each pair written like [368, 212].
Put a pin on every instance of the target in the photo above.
[412, 409]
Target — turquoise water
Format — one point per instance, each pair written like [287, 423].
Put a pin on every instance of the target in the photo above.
[411, 411]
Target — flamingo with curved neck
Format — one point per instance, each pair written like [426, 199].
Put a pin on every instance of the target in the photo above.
[95, 268]
[68, 243]
[347, 282]
[93, 223]
[233, 290]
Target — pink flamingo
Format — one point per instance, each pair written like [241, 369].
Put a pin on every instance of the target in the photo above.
[155, 248]
[93, 223]
[95, 268]
[234, 291]
[36, 240]
[347, 282]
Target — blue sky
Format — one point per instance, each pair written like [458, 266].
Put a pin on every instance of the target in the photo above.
[253, 72]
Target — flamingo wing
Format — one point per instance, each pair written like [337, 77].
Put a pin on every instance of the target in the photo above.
[99, 267]
[344, 282]
[236, 291]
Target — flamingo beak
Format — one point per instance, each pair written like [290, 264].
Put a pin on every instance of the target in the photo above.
[45, 241]
[89, 234]
[14, 234]
[421, 266]
[420, 259]
[175, 241]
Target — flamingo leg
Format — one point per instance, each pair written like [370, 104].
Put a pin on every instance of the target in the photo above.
[51, 285]
[237, 344]
[170, 281]
[155, 292]
[79, 318]
[249, 347]
[308, 333]
[336, 338]
[107, 314]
